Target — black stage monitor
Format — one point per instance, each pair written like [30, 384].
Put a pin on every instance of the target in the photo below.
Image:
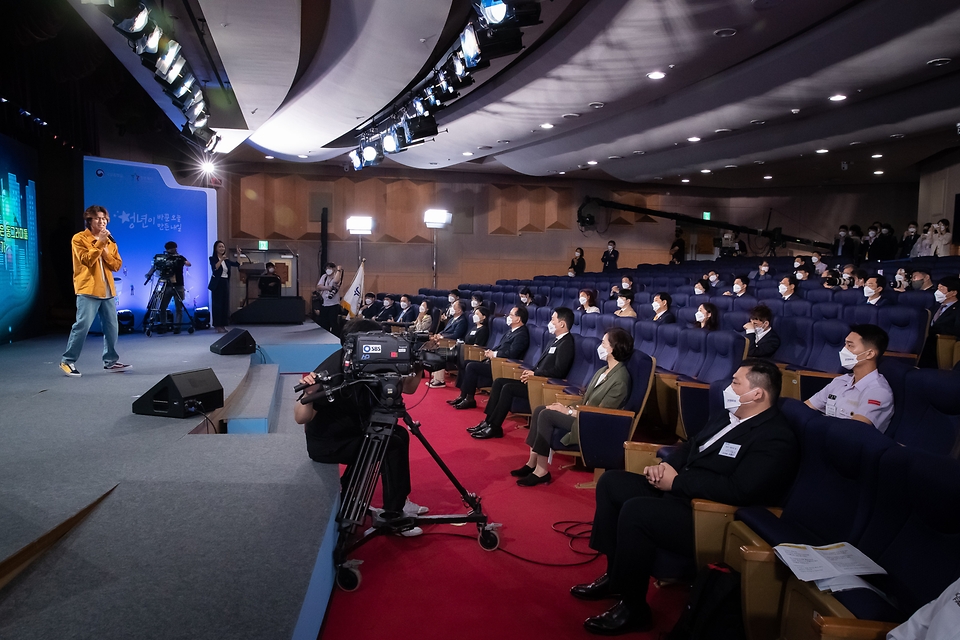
[180, 395]
[234, 342]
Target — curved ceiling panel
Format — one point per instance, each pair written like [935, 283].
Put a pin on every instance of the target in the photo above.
[603, 56]
[371, 51]
[861, 49]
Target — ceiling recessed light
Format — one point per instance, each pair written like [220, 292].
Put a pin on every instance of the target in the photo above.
[596, 105]
[877, 155]
[704, 170]
[591, 162]
[729, 166]
[839, 97]
[639, 153]
[939, 62]
[794, 111]
[726, 32]
[896, 135]
[759, 161]
[656, 75]
[614, 157]
[855, 142]
[693, 139]
[503, 142]
[268, 157]
[468, 153]
[433, 164]
[563, 173]
[569, 116]
[685, 180]
[546, 125]
[722, 130]
[768, 177]
[878, 173]
[484, 147]
[302, 155]
[823, 150]
[758, 122]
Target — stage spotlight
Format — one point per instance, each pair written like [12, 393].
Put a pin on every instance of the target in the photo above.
[391, 141]
[182, 88]
[355, 159]
[470, 45]
[489, 43]
[149, 42]
[430, 96]
[170, 53]
[372, 152]
[207, 167]
[175, 69]
[193, 113]
[495, 13]
[136, 23]
[419, 128]
[419, 107]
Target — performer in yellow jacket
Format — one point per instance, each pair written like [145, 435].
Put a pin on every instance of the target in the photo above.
[95, 259]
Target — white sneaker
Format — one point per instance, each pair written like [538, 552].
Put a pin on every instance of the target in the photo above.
[413, 509]
[412, 532]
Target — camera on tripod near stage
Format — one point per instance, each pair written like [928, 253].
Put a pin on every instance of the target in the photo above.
[167, 265]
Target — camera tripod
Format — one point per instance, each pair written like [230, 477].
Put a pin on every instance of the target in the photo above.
[156, 312]
[363, 481]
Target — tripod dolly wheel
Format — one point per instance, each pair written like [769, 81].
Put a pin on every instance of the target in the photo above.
[149, 332]
[489, 540]
[190, 330]
[348, 578]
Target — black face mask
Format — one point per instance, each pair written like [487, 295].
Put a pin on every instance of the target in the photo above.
[916, 284]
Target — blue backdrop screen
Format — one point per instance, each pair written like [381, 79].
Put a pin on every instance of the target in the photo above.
[147, 209]
[19, 252]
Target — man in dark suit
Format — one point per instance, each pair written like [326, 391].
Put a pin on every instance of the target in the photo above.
[844, 246]
[873, 291]
[389, 311]
[662, 311]
[408, 311]
[610, 257]
[748, 455]
[513, 345]
[945, 319]
[555, 362]
[762, 340]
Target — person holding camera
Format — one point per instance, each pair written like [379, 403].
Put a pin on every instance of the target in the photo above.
[328, 289]
[171, 272]
[941, 238]
[335, 433]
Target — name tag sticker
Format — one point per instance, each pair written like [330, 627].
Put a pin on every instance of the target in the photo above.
[553, 350]
[729, 450]
[474, 332]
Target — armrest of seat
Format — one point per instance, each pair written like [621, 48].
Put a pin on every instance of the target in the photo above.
[812, 382]
[446, 343]
[472, 352]
[569, 399]
[945, 351]
[831, 628]
[602, 436]
[639, 455]
[757, 554]
[689, 383]
[535, 391]
[710, 520]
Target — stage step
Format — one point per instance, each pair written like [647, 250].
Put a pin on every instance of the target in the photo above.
[254, 405]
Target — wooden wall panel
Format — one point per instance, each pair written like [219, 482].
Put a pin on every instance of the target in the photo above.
[287, 208]
[324, 189]
[532, 209]
[559, 209]
[502, 215]
[252, 203]
[369, 199]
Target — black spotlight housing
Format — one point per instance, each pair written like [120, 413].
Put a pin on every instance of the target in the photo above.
[419, 128]
[496, 43]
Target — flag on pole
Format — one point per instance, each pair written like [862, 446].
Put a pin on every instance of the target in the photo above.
[353, 297]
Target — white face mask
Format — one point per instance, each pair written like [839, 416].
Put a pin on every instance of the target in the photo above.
[848, 360]
[524, 299]
[576, 254]
[476, 318]
[509, 320]
[609, 247]
[737, 288]
[782, 289]
[387, 302]
[329, 272]
[423, 309]
[884, 231]
[603, 353]
[474, 304]
[900, 278]
[815, 259]
[368, 301]
[912, 230]
[731, 401]
[271, 270]
[583, 300]
[872, 233]
[842, 234]
[404, 305]
[940, 296]
[451, 298]
[624, 285]
[799, 275]
[655, 305]
[698, 291]
[764, 269]
[700, 316]
[868, 291]
[571, 274]
[621, 302]
[552, 328]
[713, 278]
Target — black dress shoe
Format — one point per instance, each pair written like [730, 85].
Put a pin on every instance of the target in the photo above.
[619, 619]
[599, 589]
[455, 400]
[466, 403]
[480, 427]
[522, 472]
[487, 433]
[533, 480]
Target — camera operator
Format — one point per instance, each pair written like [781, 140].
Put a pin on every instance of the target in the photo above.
[171, 272]
[335, 432]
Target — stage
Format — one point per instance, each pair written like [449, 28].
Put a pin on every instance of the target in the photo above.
[204, 536]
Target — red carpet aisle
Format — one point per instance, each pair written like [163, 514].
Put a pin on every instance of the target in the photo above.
[441, 586]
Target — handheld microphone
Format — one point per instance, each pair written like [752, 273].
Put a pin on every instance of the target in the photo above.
[110, 238]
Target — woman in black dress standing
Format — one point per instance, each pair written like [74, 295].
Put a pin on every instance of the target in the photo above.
[220, 285]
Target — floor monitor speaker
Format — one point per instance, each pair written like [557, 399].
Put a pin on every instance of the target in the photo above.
[234, 342]
[180, 395]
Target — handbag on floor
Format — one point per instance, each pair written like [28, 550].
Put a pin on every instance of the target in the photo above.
[713, 612]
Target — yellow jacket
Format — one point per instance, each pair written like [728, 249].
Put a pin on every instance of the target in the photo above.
[94, 265]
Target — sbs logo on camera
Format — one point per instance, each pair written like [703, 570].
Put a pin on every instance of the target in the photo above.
[372, 348]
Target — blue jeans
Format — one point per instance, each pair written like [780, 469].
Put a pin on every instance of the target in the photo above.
[88, 308]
